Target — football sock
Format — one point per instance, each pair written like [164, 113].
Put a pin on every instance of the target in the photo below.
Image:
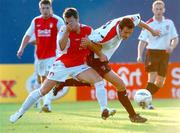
[47, 98]
[152, 88]
[124, 100]
[30, 100]
[101, 94]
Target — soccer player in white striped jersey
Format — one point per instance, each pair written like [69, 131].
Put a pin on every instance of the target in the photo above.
[107, 39]
[158, 48]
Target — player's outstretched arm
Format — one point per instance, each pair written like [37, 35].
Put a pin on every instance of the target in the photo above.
[23, 45]
[147, 27]
[141, 46]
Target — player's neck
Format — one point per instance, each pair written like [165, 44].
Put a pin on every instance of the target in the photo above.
[159, 19]
[46, 17]
[78, 29]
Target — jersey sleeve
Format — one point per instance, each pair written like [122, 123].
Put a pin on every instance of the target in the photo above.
[136, 18]
[31, 28]
[144, 35]
[60, 23]
[173, 31]
[95, 36]
[33, 38]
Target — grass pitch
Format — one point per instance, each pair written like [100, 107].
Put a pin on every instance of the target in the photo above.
[84, 117]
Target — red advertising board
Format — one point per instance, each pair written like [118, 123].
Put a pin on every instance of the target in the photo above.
[135, 78]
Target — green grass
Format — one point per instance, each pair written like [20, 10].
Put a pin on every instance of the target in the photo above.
[84, 117]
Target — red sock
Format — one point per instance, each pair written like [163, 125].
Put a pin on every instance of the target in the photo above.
[124, 100]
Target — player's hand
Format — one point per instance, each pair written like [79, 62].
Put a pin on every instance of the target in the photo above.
[170, 50]
[139, 59]
[85, 42]
[69, 27]
[156, 33]
[20, 53]
[103, 58]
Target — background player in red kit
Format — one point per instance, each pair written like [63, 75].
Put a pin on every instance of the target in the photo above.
[45, 27]
[70, 63]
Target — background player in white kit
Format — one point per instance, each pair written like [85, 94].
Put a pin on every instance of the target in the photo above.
[158, 48]
[45, 27]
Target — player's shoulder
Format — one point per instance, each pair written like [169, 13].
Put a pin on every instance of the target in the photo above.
[168, 20]
[149, 21]
[86, 28]
[37, 17]
[57, 17]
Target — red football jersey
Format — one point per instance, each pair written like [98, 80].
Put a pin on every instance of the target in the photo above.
[76, 55]
[46, 33]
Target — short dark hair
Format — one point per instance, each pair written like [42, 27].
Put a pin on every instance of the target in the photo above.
[126, 22]
[69, 12]
[45, 2]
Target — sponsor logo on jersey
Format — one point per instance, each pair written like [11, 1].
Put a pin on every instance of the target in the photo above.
[44, 33]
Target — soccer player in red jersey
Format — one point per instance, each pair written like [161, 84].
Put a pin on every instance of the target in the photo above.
[45, 27]
[70, 63]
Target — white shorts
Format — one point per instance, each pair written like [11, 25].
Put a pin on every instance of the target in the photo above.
[59, 72]
[43, 66]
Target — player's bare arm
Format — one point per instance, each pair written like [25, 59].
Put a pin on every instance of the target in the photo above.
[63, 41]
[95, 47]
[141, 47]
[23, 45]
[145, 26]
[174, 43]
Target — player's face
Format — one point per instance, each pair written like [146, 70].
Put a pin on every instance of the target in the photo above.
[126, 33]
[158, 10]
[72, 22]
[45, 10]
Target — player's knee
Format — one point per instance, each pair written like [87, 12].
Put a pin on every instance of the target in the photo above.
[43, 92]
[120, 85]
[96, 80]
[159, 84]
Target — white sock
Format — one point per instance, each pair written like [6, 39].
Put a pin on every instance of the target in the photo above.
[37, 85]
[61, 93]
[101, 94]
[47, 98]
[30, 100]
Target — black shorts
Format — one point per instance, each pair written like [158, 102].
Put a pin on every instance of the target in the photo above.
[100, 67]
[157, 61]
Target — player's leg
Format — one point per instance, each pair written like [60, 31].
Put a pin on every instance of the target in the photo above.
[61, 93]
[37, 85]
[32, 98]
[114, 78]
[92, 77]
[68, 82]
[47, 98]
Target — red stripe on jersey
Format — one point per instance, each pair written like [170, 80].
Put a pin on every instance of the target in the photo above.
[112, 33]
[149, 21]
